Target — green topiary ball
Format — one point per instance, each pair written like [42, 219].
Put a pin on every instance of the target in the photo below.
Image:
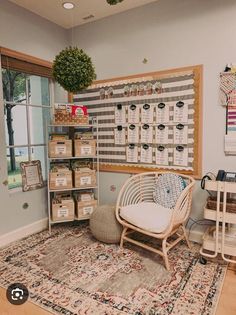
[73, 69]
[113, 2]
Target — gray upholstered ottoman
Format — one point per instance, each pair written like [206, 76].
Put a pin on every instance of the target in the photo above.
[104, 226]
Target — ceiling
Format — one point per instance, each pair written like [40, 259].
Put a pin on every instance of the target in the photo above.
[53, 11]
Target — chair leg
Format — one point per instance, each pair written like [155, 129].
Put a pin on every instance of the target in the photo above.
[186, 236]
[122, 236]
[165, 256]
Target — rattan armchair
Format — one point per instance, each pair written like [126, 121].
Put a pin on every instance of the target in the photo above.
[139, 189]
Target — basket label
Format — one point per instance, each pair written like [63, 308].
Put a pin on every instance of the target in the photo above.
[87, 210]
[61, 181]
[60, 149]
[62, 212]
[85, 197]
[86, 150]
[85, 180]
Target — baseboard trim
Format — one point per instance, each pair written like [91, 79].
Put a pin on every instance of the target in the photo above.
[22, 232]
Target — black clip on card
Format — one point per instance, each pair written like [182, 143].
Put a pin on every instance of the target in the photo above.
[180, 104]
[161, 148]
[132, 127]
[161, 127]
[131, 146]
[145, 146]
[132, 107]
[145, 126]
[119, 128]
[119, 106]
[180, 126]
[180, 148]
[146, 106]
[161, 105]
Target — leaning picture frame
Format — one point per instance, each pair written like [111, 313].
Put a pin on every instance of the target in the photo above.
[31, 172]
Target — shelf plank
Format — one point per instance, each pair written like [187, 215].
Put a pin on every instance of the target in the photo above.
[229, 187]
[77, 126]
[73, 157]
[73, 189]
[61, 221]
[81, 219]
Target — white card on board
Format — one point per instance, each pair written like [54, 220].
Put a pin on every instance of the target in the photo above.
[147, 114]
[132, 153]
[146, 154]
[180, 134]
[162, 113]
[181, 112]
[120, 118]
[146, 133]
[133, 114]
[162, 133]
[162, 155]
[180, 156]
[119, 135]
[133, 133]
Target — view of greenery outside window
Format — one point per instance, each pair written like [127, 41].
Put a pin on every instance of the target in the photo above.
[27, 111]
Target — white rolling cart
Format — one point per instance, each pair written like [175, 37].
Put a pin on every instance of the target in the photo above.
[221, 238]
[59, 128]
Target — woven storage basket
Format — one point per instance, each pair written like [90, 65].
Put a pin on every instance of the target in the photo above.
[230, 205]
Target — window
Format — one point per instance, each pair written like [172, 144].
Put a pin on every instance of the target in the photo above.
[27, 112]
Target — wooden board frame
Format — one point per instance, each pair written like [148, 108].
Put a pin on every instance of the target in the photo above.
[197, 71]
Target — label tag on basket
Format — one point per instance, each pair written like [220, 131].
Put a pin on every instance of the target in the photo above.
[62, 212]
[86, 150]
[61, 181]
[86, 197]
[85, 180]
[60, 149]
[87, 210]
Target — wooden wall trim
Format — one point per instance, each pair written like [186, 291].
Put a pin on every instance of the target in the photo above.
[24, 57]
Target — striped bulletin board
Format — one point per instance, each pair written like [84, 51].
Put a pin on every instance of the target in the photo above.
[150, 121]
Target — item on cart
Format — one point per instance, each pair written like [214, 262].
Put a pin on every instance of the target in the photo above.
[230, 204]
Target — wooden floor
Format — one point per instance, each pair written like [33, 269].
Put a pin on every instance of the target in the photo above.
[226, 306]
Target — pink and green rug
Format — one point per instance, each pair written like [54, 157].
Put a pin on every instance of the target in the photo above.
[70, 273]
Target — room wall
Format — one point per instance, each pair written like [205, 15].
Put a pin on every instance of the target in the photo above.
[170, 34]
[27, 33]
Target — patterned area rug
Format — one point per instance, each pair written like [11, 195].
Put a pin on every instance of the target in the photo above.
[68, 272]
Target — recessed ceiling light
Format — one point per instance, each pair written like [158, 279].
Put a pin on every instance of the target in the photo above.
[68, 5]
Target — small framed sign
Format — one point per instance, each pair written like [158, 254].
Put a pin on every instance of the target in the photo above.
[31, 172]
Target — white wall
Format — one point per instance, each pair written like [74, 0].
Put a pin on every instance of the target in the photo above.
[170, 34]
[27, 33]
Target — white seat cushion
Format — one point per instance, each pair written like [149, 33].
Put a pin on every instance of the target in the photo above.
[147, 216]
